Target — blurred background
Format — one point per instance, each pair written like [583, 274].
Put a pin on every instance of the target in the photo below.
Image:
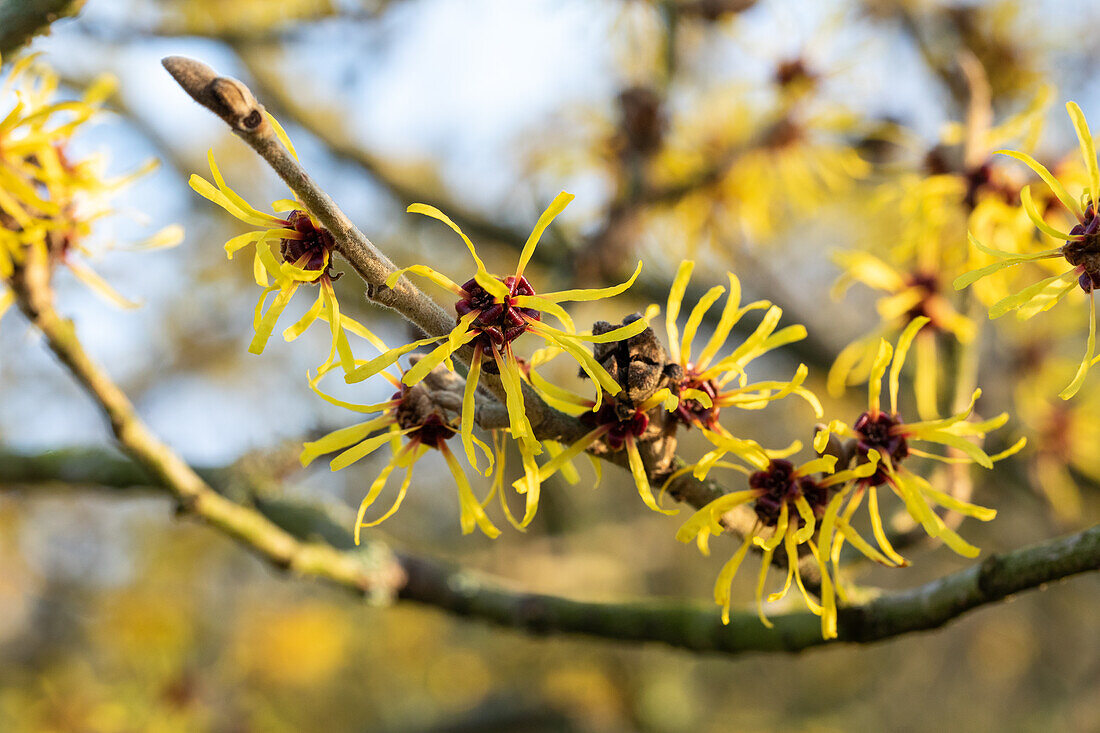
[760, 137]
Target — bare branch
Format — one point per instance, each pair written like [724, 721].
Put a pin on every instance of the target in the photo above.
[34, 297]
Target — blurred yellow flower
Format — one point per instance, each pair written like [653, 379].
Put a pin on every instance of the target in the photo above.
[47, 200]
[1081, 249]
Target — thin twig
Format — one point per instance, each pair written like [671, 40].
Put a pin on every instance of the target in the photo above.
[381, 576]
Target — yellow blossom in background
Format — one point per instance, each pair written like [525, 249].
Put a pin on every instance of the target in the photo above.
[49, 201]
[907, 296]
[1063, 439]
[925, 216]
[301, 646]
[1081, 249]
[746, 173]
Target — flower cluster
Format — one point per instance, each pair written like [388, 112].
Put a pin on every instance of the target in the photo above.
[892, 439]
[825, 492]
[492, 313]
[425, 415]
[790, 504]
[958, 187]
[644, 394]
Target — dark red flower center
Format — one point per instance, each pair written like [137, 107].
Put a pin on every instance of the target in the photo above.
[498, 323]
[625, 423]
[778, 485]
[794, 71]
[691, 411]
[882, 433]
[314, 250]
[930, 288]
[1085, 253]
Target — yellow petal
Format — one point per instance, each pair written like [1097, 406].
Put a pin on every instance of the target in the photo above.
[725, 579]
[468, 407]
[307, 319]
[1057, 188]
[556, 207]
[420, 369]
[806, 531]
[1025, 296]
[904, 342]
[471, 512]
[1088, 149]
[641, 480]
[377, 364]
[672, 310]
[879, 531]
[761, 581]
[874, 386]
[546, 306]
[372, 494]
[1037, 218]
[563, 296]
[435, 213]
[100, 286]
[696, 318]
[423, 270]
[363, 449]
[267, 322]
[618, 334]
[1083, 369]
[513, 392]
[281, 134]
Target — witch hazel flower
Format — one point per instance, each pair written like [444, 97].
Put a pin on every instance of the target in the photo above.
[414, 420]
[492, 313]
[291, 249]
[894, 441]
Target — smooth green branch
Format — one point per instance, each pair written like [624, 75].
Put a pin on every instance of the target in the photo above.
[699, 628]
[685, 625]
